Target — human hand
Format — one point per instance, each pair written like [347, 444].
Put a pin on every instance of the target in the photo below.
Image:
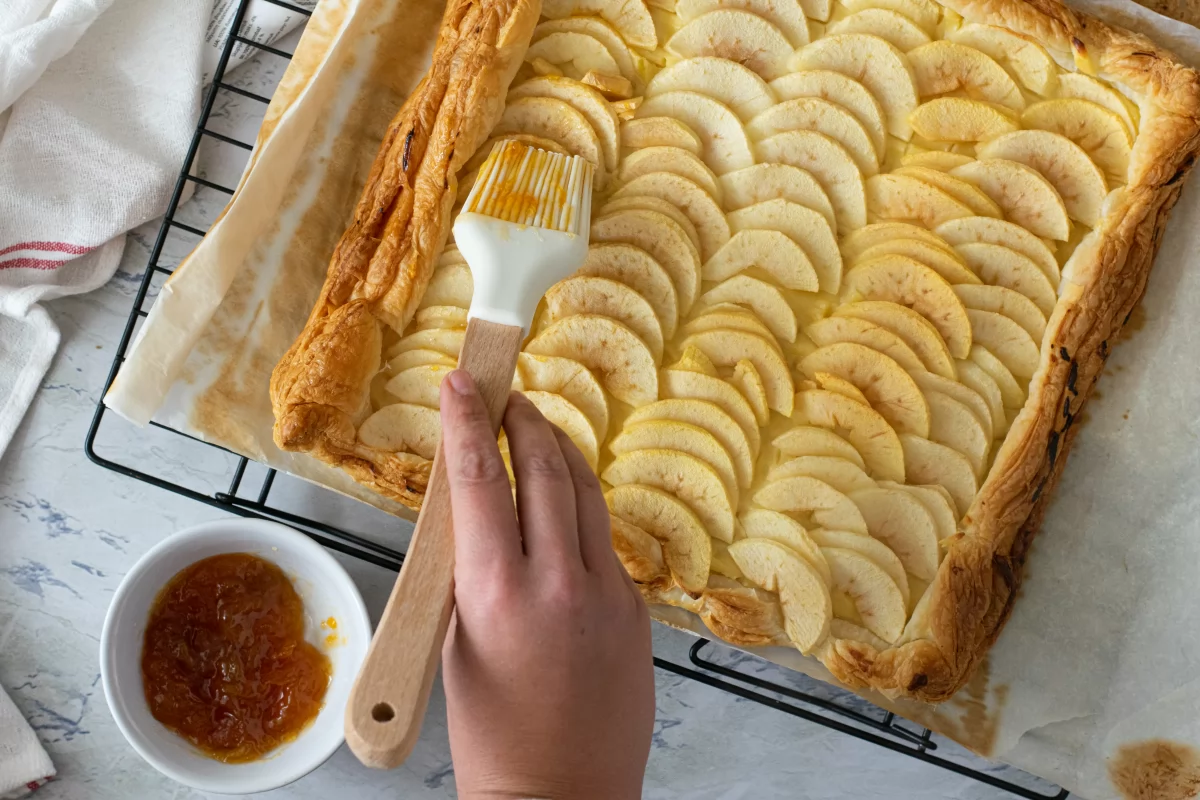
[547, 664]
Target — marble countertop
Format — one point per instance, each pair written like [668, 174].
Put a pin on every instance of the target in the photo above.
[69, 530]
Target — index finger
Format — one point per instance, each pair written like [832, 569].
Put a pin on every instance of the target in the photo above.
[481, 502]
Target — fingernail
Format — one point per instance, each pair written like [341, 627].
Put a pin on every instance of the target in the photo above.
[460, 382]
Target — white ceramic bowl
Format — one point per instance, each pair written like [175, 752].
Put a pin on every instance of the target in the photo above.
[327, 591]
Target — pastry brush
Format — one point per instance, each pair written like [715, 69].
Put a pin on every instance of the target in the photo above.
[523, 228]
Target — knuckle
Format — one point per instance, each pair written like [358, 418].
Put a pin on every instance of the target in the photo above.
[549, 466]
[476, 464]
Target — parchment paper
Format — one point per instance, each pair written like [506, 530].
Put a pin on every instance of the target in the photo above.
[1103, 648]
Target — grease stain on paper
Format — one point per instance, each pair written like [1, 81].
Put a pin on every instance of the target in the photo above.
[1156, 769]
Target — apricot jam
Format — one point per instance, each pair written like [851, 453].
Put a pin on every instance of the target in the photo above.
[224, 661]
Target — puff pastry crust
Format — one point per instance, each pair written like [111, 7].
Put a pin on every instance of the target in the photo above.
[320, 389]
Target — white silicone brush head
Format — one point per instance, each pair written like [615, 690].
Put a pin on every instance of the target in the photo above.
[523, 228]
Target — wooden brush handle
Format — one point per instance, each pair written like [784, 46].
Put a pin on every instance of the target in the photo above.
[387, 703]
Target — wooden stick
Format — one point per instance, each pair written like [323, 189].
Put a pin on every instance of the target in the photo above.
[387, 703]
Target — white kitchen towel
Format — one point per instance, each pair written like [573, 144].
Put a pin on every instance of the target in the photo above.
[24, 765]
[105, 95]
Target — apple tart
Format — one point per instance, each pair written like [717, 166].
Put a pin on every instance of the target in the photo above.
[854, 268]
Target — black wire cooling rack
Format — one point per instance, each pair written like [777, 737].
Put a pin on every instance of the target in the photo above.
[708, 663]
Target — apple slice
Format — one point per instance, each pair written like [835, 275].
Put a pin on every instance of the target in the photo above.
[767, 302]
[574, 53]
[443, 340]
[439, 317]
[907, 283]
[708, 416]
[901, 521]
[746, 379]
[684, 384]
[1085, 87]
[822, 116]
[1000, 266]
[893, 26]
[1011, 390]
[900, 198]
[810, 440]
[930, 382]
[975, 378]
[958, 119]
[930, 462]
[684, 437]
[833, 330]
[887, 387]
[661, 131]
[570, 379]
[925, 13]
[451, 256]
[640, 553]
[878, 600]
[403, 428]
[647, 203]
[601, 31]
[566, 415]
[945, 67]
[759, 523]
[813, 498]
[691, 199]
[949, 265]
[736, 35]
[736, 86]
[418, 358]
[998, 231]
[728, 317]
[1025, 196]
[788, 17]
[873, 62]
[876, 233]
[841, 474]
[971, 197]
[807, 440]
[953, 424]
[624, 363]
[608, 298]
[833, 167]
[940, 160]
[662, 239]
[1007, 340]
[686, 545]
[449, 286]
[584, 99]
[725, 146]
[676, 160]
[842, 90]
[772, 252]
[1031, 64]
[1100, 132]
[940, 505]
[551, 118]
[726, 347]
[763, 182]
[802, 225]
[693, 360]
[1002, 300]
[803, 594]
[865, 428]
[683, 476]
[638, 270]
[421, 385]
[843, 629]
[915, 331]
[631, 18]
[874, 550]
[1073, 174]
[833, 383]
